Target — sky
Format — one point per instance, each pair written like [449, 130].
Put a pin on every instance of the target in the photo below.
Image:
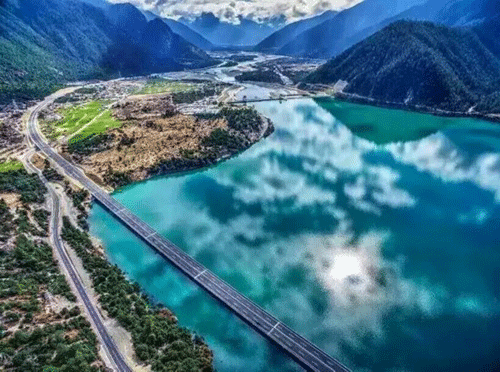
[229, 10]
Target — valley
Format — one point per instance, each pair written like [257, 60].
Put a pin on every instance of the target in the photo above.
[249, 186]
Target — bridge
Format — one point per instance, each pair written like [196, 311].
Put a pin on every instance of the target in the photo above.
[301, 350]
[286, 97]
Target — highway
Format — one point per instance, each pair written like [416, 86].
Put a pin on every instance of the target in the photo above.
[301, 350]
[55, 228]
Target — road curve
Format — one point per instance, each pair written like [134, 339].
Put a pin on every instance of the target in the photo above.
[55, 220]
[301, 350]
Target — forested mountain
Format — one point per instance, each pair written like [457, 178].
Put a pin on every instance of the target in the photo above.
[282, 37]
[489, 33]
[332, 36]
[352, 25]
[465, 13]
[420, 63]
[221, 33]
[46, 42]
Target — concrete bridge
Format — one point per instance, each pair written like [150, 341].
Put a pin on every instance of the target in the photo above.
[279, 98]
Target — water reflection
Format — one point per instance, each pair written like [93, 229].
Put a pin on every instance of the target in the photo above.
[379, 253]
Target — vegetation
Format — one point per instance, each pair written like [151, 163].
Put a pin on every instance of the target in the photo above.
[100, 125]
[75, 118]
[29, 186]
[86, 90]
[158, 86]
[42, 218]
[419, 63]
[242, 57]
[84, 121]
[244, 126]
[157, 338]
[39, 53]
[41, 328]
[117, 179]
[50, 173]
[6, 221]
[242, 119]
[262, 75]
[67, 346]
[24, 225]
[229, 64]
[12, 165]
[221, 138]
[61, 341]
[195, 94]
[90, 144]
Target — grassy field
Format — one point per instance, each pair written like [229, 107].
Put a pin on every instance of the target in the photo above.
[76, 118]
[82, 121]
[10, 166]
[98, 126]
[165, 86]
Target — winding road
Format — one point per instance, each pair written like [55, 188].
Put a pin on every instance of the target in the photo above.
[301, 350]
[93, 314]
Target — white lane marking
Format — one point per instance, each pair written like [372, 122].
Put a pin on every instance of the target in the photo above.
[149, 236]
[272, 329]
[200, 274]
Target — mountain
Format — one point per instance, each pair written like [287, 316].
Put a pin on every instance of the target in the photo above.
[192, 36]
[488, 31]
[467, 12]
[448, 12]
[246, 33]
[419, 63]
[48, 42]
[285, 35]
[333, 36]
[183, 31]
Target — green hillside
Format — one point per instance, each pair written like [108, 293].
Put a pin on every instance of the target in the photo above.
[44, 43]
[27, 68]
[419, 63]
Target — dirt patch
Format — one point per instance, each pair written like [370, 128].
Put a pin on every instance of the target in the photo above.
[138, 148]
[11, 199]
[38, 161]
[72, 335]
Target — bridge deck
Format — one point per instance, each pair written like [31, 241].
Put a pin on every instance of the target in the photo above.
[300, 349]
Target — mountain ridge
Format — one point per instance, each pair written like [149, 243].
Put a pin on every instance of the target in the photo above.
[44, 43]
[283, 36]
[419, 63]
[223, 34]
[331, 36]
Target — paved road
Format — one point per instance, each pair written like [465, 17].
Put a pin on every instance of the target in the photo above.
[301, 350]
[95, 318]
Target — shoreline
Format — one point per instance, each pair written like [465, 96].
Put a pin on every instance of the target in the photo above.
[352, 98]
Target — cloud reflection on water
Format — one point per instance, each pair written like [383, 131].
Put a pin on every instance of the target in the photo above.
[356, 246]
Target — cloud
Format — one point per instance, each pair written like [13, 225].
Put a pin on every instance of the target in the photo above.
[443, 159]
[231, 9]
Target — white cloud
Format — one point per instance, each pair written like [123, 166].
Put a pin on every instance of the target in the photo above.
[230, 9]
[440, 157]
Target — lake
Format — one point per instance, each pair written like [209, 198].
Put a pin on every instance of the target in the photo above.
[372, 232]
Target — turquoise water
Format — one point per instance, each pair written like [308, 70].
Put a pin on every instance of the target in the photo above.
[382, 125]
[385, 255]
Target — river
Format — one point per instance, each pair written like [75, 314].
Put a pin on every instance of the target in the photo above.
[380, 246]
